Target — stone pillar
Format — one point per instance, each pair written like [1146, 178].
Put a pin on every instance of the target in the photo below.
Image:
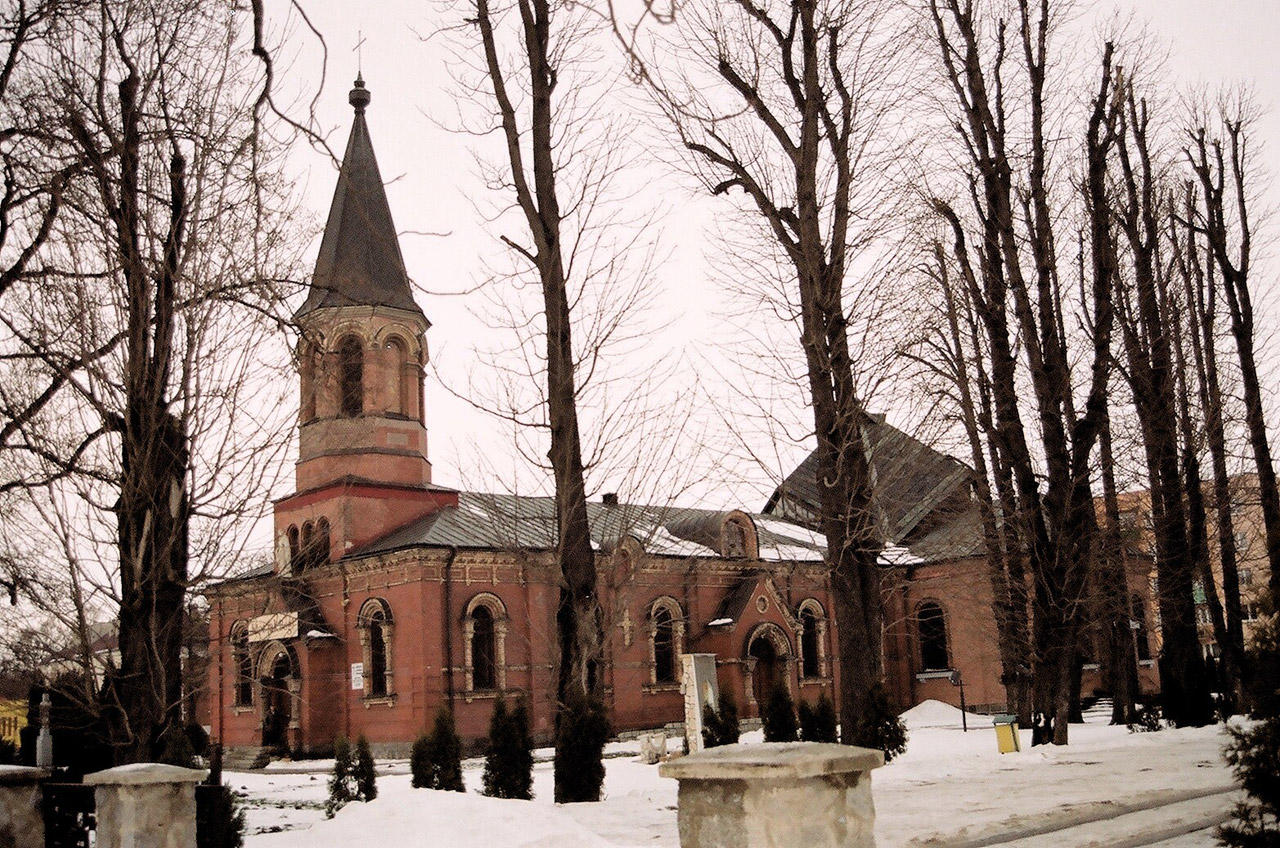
[21, 820]
[146, 805]
[776, 795]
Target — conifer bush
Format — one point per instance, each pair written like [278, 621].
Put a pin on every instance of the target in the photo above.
[818, 721]
[363, 771]
[508, 759]
[1254, 750]
[220, 820]
[720, 726]
[341, 791]
[779, 716]
[582, 729]
[880, 727]
[436, 760]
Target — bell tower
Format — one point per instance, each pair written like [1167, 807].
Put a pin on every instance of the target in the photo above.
[362, 464]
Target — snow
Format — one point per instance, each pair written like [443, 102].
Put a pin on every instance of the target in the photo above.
[1108, 787]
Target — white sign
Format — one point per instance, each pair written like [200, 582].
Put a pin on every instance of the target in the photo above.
[277, 625]
[357, 675]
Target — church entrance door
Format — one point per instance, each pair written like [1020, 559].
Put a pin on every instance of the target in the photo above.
[768, 670]
[277, 704]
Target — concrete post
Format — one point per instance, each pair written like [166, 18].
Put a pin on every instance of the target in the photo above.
[21, 819]
[146, 805]
[776, 795]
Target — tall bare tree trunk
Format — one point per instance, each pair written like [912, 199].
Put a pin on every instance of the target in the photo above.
[579, 682]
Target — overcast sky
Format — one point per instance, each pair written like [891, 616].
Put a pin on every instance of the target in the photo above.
[433, 185]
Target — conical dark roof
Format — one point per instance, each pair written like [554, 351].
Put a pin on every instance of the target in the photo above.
[359, 261]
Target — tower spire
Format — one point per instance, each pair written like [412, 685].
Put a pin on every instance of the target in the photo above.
[360, 261]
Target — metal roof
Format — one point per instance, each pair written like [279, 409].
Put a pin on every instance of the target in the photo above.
[360, 262]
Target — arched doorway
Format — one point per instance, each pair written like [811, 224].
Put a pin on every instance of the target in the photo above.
[278, 682]
[767, 654]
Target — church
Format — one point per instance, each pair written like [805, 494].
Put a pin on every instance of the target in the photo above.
[390, 596]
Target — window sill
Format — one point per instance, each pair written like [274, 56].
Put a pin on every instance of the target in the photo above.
[241, 709]
[375, 700]
[484, 694]
[813, 681]
[655, 688]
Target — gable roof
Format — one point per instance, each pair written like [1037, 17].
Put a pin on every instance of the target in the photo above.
[360, 261]
[915, 488]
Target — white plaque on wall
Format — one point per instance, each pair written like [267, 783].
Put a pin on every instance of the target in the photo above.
[357, 675]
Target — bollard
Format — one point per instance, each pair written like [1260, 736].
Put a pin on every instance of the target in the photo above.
[146, 805]
[21, 818]
[776, 795]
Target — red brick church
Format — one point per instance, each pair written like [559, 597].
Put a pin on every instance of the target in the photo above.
[390, 596]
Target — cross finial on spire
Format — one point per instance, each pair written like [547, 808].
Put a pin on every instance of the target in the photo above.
[359, 51]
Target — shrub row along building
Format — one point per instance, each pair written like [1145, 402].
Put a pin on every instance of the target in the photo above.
[390, 596]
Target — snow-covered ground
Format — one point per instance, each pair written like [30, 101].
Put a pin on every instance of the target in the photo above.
[1108, 787]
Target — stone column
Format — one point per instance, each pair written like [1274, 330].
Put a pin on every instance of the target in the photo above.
[21, 820]
[776, 795]
[146, 805]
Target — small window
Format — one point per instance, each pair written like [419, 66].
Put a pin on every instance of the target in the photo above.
[1249, 611]
[735, 540]
[351, 377]
[932, 627]
[1246, 577]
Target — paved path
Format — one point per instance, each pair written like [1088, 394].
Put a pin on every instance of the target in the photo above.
[1123, 826]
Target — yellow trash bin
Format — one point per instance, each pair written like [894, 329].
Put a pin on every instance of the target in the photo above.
[1007, 733]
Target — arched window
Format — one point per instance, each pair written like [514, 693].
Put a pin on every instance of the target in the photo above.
[483, 649]
[810, 656]
[400, 378]
[735, 540]
[350, 377]
[319, 553]
[485, 629]
[932, 627]
[242, 693]
[295, 548]
[666, 640]
[376, 628]
[307, 367]
[664, 646]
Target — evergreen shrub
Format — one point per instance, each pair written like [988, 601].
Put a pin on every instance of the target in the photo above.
[720, 726]
[220, 820]
[582, 728]
[1254, 750]
[436, 760]
[508, 759]
[341, 791]
[779, 716]
[818, 721]
[880, 727]
[364, 773]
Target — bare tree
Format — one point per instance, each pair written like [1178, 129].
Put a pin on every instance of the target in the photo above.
[125, 338]
[525, 69]
[790, 104]
[987, 52]
[1222, 163]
